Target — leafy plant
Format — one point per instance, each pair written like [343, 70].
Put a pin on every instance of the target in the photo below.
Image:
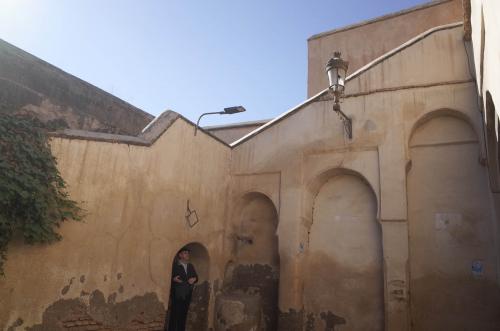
[33, 197]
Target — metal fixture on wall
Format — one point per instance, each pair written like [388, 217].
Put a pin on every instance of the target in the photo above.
[336, 69]
[227, 111]
[191, 216]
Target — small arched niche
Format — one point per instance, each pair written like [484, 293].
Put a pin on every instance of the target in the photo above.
[197, 319]
[256, 238]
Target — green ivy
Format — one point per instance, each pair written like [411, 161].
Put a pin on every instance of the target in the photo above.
[33, 197]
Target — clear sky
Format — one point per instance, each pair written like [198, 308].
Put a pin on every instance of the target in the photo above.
[191, 56]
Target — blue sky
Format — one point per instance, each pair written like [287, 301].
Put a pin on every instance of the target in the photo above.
[188, 56]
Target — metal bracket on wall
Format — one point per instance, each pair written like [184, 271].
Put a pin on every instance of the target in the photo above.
[191, 216]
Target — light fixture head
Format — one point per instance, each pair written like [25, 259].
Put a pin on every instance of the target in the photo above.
[234, 110]
[336, 69]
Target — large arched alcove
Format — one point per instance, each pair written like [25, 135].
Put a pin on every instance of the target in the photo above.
[197, 319]
[452, 251]
[254, 271]
[343, 278]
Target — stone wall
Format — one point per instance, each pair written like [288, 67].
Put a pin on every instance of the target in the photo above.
[29, 85]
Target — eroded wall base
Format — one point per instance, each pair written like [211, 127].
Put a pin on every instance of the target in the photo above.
[144, 312]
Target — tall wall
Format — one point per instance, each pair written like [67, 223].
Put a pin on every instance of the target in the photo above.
[364, 42]
[405, 202]
[112, 271]
[32, 86]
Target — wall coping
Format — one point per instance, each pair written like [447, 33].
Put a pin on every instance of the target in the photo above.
[378, 19]
[147, 137]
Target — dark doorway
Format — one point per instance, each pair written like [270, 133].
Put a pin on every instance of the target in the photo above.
[197, 319]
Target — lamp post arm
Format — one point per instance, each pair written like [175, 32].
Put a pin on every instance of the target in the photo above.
[199, 118]
[345, 119]
[347, 123]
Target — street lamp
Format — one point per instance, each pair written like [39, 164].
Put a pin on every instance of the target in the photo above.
[336, 69]
[227, 111]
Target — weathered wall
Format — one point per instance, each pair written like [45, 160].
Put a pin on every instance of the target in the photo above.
[386, 102]
[112, 271]
[345, 207]
[403, 210]
[451, 230]
[30, 85]
[364, 42]
[252, 275]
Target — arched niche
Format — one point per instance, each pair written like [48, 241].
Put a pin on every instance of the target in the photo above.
[254, 269]
[343, 277]
[256, 237]
[313, 187]
[452, 251]
[474, 126]
[197, 319]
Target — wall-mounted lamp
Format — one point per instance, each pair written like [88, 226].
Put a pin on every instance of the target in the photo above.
[227, 111]
[336, 69]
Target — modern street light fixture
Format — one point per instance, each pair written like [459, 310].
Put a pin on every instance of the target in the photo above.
[227, 111]
[336, 69]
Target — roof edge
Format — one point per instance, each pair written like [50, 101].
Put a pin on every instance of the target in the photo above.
[378, 19]
[348, 78]
[149, 135]
[236, 125]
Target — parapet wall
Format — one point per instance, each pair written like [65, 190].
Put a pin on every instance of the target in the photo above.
[362, 43]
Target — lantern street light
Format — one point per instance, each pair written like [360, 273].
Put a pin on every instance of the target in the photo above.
[336, 69]
[227, 111]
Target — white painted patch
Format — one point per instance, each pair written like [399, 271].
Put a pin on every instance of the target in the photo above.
[443, 220]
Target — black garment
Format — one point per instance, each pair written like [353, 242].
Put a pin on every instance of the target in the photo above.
[180, 296]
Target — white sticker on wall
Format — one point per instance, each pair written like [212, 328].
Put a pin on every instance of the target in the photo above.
[444, 220]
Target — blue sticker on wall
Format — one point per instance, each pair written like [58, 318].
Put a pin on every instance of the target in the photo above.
[477, 268]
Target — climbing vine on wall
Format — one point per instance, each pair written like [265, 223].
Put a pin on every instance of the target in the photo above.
[33, 197]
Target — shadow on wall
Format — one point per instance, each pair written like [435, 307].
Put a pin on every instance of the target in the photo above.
[197, 319]
[493, 147]
[249, 299]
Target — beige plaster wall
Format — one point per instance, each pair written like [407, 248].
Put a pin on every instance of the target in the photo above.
[364, 42]
[136, 201]
[386, 103]
[418, 151]
[345, 208]
[451, 229]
